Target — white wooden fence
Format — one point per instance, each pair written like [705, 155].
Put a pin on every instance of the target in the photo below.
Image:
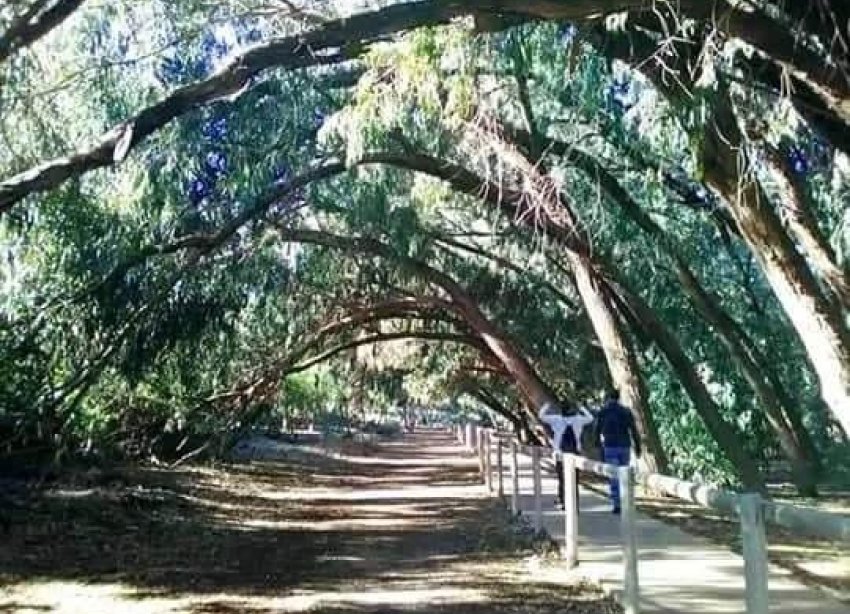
[752, 510]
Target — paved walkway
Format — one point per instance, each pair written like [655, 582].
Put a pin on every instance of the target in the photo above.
[678, 572]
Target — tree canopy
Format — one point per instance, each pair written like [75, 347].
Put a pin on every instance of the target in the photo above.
[214, 216]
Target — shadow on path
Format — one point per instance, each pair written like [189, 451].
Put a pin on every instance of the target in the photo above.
[399, 526]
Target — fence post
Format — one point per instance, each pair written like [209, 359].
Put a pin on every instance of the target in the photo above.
[514, 479]
[754, 548]
[469, 443]
[501, 466]
[479, 444]
[538, 489]
[570, 511]
[631, 591]
[488, 460]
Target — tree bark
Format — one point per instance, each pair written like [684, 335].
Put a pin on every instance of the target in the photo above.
[776, 404]
[622, 362]
[804, 228]
[42, 17]
[618, 349]
[726, 436]
[815, 317]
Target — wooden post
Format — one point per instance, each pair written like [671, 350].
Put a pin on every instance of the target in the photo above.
[469, 442]
[754, 548]
[631, 593]
[479, 444]
[501, 466]
[514, 479]
[570, 511]
[538, 489]
[488, 460]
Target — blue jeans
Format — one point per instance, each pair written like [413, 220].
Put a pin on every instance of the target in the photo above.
[619, 457]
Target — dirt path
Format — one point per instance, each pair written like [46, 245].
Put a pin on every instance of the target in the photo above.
[400, 527]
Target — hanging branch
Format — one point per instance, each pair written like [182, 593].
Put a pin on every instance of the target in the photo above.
[343, 39]
[37, 21]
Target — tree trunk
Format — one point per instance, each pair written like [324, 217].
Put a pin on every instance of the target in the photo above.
[622, 363]
[40, 18]
[817, 319]
[775, 402]
[562, 223]
[726, 435]
[804, 228]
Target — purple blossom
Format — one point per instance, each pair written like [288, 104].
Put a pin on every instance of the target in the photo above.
[215, 130]
[199, 190]
[798, 160]
[215, 164]
[621, 94]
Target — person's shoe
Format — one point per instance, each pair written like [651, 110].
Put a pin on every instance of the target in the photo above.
[616, 511]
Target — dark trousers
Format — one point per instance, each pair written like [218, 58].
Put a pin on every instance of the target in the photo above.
[559, 471]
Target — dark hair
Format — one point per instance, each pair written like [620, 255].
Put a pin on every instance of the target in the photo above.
[613, 394]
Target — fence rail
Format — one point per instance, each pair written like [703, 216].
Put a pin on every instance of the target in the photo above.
[752, 510]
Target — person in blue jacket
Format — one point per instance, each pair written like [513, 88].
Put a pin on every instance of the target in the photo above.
[617, 433]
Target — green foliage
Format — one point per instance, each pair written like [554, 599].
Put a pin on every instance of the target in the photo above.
[112, 338]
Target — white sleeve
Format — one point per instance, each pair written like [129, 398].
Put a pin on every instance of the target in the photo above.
[546, 412]
[584, 417]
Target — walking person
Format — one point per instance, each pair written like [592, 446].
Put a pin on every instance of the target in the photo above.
[565, 435]
[616, 429]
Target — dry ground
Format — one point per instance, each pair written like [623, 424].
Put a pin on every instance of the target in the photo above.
[401, 527]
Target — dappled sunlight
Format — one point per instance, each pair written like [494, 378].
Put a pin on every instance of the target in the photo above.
[349, 524]
[816, 562]
[374, 494]
[420, 597]
[340, 537]
[80, 598]
[418, 462]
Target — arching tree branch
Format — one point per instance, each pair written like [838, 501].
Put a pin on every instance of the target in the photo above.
[37, 21]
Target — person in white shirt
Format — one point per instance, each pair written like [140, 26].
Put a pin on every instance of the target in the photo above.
[566, 430]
